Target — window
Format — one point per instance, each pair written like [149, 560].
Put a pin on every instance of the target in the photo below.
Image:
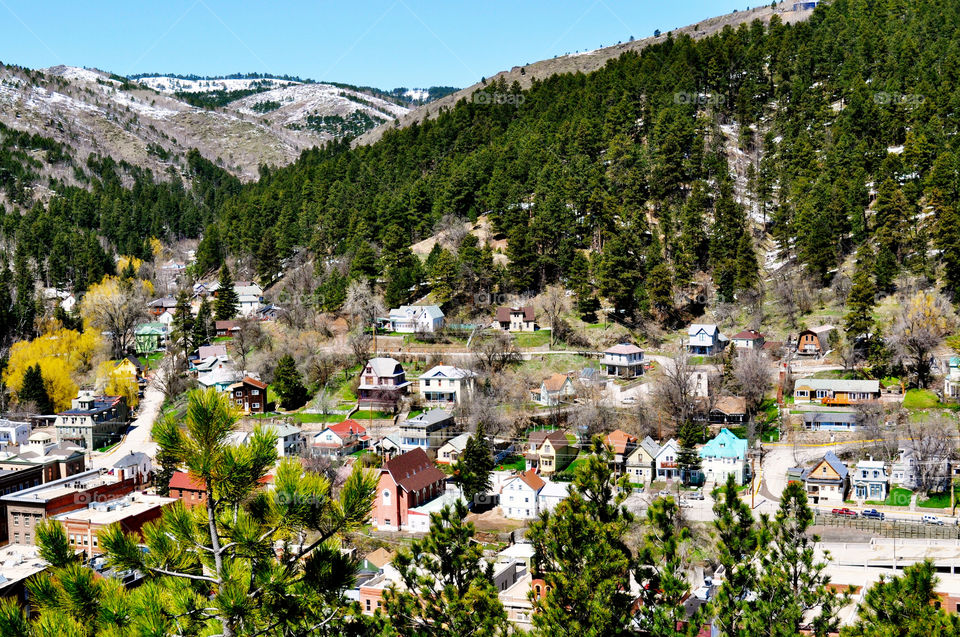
[386, 497]
[256, 405]
[16, 519]
[368, 605]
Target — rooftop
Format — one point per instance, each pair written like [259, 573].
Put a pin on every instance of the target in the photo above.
[104, 513]
[839, 384]
[64, 486]
[623, 348]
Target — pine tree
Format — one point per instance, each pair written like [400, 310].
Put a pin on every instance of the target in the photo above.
[738, 541]
[203, 327]
[181, 329]
[948, 242]
[268, 261]
[885, 269]
[227, 304]
[34, 391]
[793, 584]
[581, 556]
[472, 469]
[859, 318]
[288, 383]
[448, 585]
[661, 570]
[904, 606]
[689, 435]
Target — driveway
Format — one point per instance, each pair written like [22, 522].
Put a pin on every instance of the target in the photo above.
[137, 437]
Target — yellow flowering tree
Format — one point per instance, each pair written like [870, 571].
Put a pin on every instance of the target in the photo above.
[64, 357]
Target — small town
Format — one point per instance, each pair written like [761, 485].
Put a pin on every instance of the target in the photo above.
[440, 319]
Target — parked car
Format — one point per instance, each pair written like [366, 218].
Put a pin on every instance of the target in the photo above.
[931, 519]
[845, 511]
[685, 504]
[696, 495]
[663, 493]
[629, 400]
[872, 514]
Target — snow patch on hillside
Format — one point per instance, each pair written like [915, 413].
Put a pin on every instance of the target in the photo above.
[78, 73]
[299, 101]
[417, 94]
[165, 84]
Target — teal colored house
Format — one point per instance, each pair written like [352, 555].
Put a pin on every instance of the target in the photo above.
[725, 455]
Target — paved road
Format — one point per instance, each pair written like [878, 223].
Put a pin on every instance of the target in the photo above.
[138, 434]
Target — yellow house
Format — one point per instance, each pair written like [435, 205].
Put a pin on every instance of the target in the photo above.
[549, 452]
[127, 367]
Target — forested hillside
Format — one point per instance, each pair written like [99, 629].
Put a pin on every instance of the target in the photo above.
[827, 135]
[631, 164]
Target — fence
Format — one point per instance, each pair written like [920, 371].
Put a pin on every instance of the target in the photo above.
[890, 528]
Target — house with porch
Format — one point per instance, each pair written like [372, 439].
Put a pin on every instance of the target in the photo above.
[951, 382]
[870, 480]
[623, 360]
[548, 452]
[427, 431]
[665, 462]
[382, 383]
[450, 452]
[729, 410]
[409, 319]
[641, 462]
[705, 339]
[835, 391]
[814, 341]
[149, 337]
[446, 385]
[406, 482]
[622, 444]
[829, 421]
[827, 482]
[554, 390]
[724, 455]
[518, 496]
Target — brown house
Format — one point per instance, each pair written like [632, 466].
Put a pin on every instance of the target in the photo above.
[249, 395]
[516, 319]
[814, 341]
[227, 328]
[188, 490]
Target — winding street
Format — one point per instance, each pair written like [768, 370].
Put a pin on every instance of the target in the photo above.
[137, 437]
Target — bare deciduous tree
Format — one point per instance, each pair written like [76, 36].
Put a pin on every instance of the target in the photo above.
[919, 326]
[481, 407]
[116, 307]
[171, 381]
[752, 373]
[248, 337]
[358, 342]
[450, 231]
[553, 303]
[363, 304]
[872, 421]
[494, 350]
[931, 441]
[675, 393]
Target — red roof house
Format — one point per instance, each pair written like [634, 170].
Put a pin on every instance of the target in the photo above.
[407, 481]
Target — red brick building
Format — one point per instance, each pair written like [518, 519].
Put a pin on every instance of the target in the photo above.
[185, 488]
[131, 513]
[407, 481]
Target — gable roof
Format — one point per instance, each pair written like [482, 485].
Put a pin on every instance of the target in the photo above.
[413, 470]
[347, 427]
[835, 463]
[556, 438]
[623, 348]
[748, 335]
[132, 459]
[227, 325]
[429, 311]
[385, 366]
[247, 380]
[379, 558]
[504, 312]
[555, 382]
[731, 405]
[820, 330]
[619, 440]
[447, 371]
[725, 445]
[206, 351]
[182, 480]
[429, 417]
[651, 446]
[839, 384]
[695, 328]
[459, 443]
[532, 480]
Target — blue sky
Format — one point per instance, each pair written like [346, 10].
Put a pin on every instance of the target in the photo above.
[381, 43]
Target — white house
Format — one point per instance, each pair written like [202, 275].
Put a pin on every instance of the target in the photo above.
[427, 431]
[416, 318]
[451, 449]
[705, 339]
[748, 339]
[290, 440]
[951, 382]
[624, 360]
[724, 455]
[446, 385]
[13, 432]
[870, 480]
[903, 472]
[518, 498]
[552, 494]
[665, 461]
[250, 296]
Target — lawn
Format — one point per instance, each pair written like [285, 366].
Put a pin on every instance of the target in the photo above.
[303, 417]
[938, 500]
[512, 463]
[532, 339]
[920, 399]
[365, 414]
[898, 497]
[771, 435]
[414, 413]
[571, 469]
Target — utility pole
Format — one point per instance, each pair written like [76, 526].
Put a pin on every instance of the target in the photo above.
[753, 478]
